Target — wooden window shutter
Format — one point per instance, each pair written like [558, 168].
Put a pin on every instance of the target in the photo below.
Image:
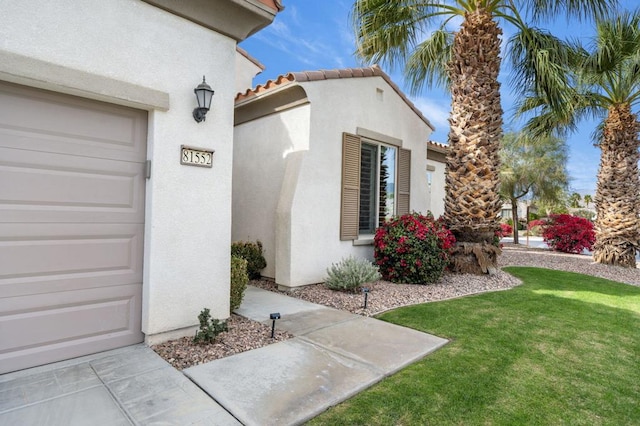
[404, 181]
[349, 209]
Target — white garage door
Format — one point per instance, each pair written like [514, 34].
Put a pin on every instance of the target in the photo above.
[71, 226]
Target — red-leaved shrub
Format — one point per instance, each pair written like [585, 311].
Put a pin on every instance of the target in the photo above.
[537, 222]
[412, 249]
[570, 234]
[505, 230]
[536, 227]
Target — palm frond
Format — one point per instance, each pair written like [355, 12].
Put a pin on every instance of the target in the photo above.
[540, 10]
[540, 63]
[387, 31]
[427, 65]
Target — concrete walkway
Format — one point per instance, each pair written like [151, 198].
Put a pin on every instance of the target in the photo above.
[127, 386]
[333, 356]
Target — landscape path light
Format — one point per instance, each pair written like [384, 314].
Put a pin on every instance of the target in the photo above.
[365, 290]
[274, 316]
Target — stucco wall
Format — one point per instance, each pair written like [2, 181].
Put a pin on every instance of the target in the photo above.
[246, 70]
[296, 158]
[344, 105]
[267, 154]
[188, 209]
[437, 191]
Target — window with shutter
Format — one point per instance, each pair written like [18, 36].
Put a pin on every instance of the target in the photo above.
[375, 185]
[404, 181]
[349, 215]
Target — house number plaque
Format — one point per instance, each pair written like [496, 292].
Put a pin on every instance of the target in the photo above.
[199, 157]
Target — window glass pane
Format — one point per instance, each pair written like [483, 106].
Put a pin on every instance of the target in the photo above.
[368, 181]
[387, 183]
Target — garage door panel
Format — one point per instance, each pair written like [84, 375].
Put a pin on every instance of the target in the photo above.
[74, 323]
[63, 188]
[36, 259]
[72, 189]
[66, 124]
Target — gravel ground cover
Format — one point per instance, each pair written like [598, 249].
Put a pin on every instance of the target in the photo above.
[245, 334]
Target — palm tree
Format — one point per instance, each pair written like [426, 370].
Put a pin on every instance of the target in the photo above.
[587, 200]
[604, 81]
[574, 200]
[468, 62]
[534, 168]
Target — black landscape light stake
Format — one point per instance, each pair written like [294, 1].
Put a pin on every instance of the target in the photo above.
[275, 316]
[365, 290]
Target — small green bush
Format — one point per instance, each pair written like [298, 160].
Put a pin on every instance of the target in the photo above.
[252, 253]
[239, 280]
[349, 274]
[586, 214]
[209, 328]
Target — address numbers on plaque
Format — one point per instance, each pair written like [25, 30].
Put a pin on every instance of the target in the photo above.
[191, 156]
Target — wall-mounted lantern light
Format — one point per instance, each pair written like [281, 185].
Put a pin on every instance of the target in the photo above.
[204, 94]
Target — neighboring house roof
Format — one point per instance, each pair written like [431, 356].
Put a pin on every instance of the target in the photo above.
[373, 71]
[438, 147]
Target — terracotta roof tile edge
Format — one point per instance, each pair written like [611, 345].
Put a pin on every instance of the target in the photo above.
[269, 85]
[438, 146]
[273, 4]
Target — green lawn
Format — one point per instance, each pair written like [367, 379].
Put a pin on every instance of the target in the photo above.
[562, 348]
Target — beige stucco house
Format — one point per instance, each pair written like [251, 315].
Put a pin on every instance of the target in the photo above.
[108, 236]
[320, 159]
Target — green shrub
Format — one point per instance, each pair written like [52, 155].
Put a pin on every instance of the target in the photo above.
[239, 280]
[413, 249]
[349, 274]
[586, 214]
[252, 253]
[209, 328]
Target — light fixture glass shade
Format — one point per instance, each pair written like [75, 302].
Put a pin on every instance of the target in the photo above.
[204, 94]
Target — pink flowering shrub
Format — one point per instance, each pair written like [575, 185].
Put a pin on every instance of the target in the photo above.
[537, 226]
[537, 222]
[570, 234]
[505, 230]
[412, 249]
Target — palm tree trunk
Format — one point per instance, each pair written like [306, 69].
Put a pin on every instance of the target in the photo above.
[617, 197]
[472, 203]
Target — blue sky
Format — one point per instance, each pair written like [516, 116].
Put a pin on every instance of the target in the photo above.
[313, 35]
